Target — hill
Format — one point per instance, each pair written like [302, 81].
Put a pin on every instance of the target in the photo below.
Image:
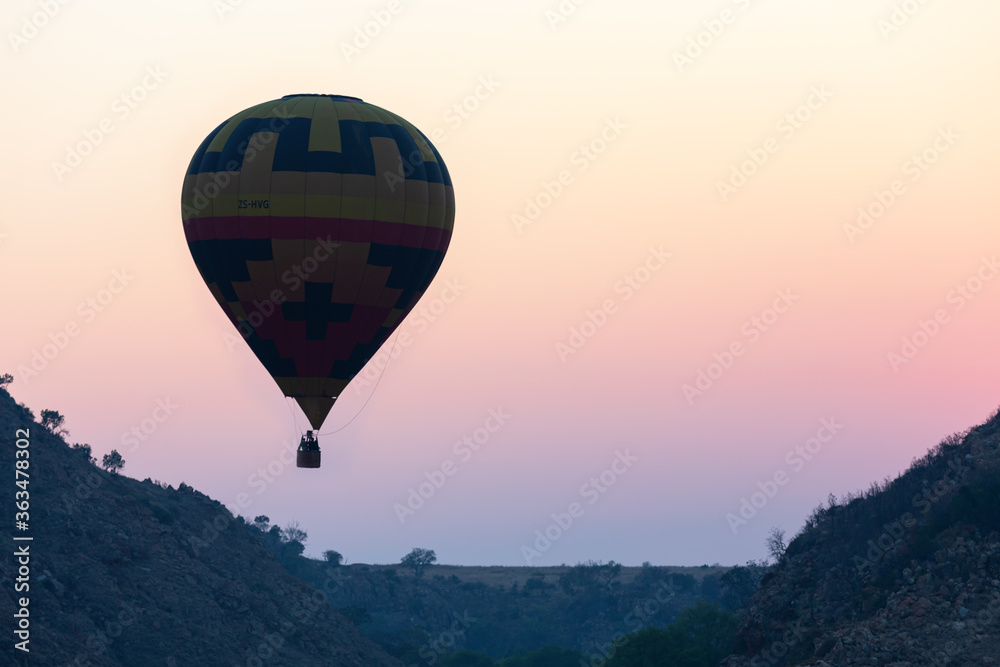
[122, 573]
[503, 611]
[906, 573]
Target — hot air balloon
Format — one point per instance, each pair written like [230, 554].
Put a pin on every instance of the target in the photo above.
[317, 222]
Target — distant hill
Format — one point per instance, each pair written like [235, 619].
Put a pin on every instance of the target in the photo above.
[504, 611]
[905, 574]
[128, 574]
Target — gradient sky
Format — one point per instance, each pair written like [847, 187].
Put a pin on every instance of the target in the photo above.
[833, 100]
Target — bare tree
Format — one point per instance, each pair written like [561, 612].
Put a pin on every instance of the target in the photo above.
[293, 533]
[776, 543]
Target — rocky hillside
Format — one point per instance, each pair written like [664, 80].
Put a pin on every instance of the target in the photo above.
[126, 573]
[904, 574]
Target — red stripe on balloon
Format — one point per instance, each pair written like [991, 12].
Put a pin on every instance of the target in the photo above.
[302, 228]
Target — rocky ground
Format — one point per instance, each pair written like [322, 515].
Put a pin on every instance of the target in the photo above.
[946, 613]
[868, 584]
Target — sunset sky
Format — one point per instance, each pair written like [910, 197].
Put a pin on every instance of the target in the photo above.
[690, 237]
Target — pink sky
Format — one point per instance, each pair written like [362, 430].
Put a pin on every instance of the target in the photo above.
[582, 151]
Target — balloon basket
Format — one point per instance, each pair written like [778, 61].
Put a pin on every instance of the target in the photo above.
[307, 459]
[308, 454]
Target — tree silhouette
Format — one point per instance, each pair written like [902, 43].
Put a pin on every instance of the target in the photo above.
[293, 533]
[53, 421]
[591, 575]
[418, 559]
[113, 462]
[86, 450]
[701, 635]
[294, 540]
[776, 544]
[739, 583]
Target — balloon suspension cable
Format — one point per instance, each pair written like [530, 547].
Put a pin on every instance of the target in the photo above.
[374, 389]
[295, 420]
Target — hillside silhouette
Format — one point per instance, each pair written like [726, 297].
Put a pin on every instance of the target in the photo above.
[127, 573]
[906, 573]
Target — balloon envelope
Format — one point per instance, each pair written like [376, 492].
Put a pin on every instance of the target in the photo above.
[317, 222]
